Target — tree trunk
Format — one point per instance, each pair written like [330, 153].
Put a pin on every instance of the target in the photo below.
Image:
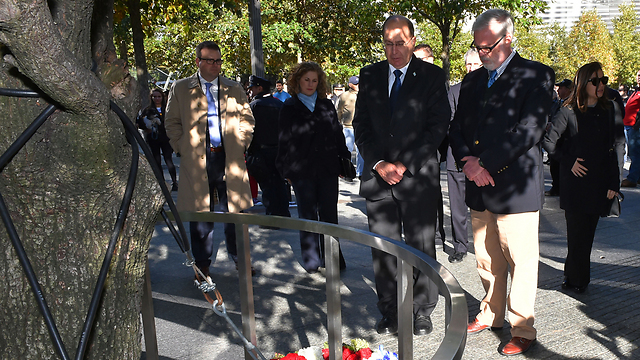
[138, 52]
[65, 186]
[446, 51]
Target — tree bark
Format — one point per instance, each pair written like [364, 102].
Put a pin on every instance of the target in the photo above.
[65, 187]
[138, 52]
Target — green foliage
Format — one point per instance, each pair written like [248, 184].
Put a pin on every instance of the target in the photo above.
[590, 41]
[449, 16]
[428, 33]
[626, 41]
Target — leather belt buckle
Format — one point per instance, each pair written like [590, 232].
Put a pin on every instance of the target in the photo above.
[216, 149]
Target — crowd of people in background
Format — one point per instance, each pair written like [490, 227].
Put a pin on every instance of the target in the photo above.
[397, 121]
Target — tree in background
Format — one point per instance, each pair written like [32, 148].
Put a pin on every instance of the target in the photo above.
[65, 187]
[626, 42]
[589, 40]
[428, 33]
[450, 15]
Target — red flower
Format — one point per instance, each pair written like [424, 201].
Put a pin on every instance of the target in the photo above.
[325, 354]
[293, 356]
[364, 353]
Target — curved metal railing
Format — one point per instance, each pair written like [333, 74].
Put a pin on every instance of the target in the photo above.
[456, 314]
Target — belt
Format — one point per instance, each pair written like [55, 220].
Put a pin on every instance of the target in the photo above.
[216, 149]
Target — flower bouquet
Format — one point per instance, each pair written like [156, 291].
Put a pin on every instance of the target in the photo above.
[356, 349]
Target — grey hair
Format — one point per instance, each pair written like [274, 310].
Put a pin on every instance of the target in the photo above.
[470, 52]
[502, 17]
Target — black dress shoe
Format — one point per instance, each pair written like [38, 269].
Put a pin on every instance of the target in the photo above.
[422, 325]
[387, 325]
[457, 257]
[577, 289]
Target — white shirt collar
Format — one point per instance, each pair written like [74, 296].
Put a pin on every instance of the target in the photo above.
[392, 76]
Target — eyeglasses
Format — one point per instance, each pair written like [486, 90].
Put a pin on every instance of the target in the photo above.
[212, 61]
[486, 50]
[389, 45]
[594, 81]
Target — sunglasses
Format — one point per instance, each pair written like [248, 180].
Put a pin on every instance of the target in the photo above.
[594, 81]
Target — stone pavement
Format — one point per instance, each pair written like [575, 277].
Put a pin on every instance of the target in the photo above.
[290, 306]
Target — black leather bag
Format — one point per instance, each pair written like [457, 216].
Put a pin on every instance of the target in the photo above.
[347, 170]
[614, 209]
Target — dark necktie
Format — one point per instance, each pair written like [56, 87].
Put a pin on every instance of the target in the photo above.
[395, 90]
[492, 77]
[212, 118]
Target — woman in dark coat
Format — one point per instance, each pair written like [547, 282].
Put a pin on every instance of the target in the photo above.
[589, 174]
[309, 143]
[151, 121]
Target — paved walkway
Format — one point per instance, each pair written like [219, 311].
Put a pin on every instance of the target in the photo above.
[602, 323]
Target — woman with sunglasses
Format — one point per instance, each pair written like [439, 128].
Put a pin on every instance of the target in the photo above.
[585, 138]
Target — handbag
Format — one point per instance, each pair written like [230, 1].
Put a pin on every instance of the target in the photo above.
[347, 170]
[613, 208]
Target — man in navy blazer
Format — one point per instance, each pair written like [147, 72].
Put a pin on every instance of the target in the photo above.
[496, 134]
[401, 117]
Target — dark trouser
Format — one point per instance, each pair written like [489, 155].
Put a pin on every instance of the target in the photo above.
[202, 232]
[581, 229]
[317, 199]
[275, 192]
[167, 152]
[554, 169]
[440, 234]
[456, 181]
[388, 217]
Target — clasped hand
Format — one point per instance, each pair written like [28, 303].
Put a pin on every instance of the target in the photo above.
[578, 169]
[475, 172]
[391, 173]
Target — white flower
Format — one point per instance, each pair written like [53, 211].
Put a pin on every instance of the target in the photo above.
[311, 353]
[381, 354]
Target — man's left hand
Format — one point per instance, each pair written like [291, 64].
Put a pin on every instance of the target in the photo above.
[475, 172]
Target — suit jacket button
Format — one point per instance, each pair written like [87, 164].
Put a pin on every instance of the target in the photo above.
[477, 142]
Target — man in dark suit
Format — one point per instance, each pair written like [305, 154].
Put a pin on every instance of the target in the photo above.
[401, 117]
[456, 180]
[261, 155]
[496, 133]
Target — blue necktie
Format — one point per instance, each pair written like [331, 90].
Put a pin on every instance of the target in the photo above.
[212, 118]
[492, 77]
[395, 90]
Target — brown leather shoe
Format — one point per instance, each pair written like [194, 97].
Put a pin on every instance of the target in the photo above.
[475, 327]
[628, 183]
[517, 345]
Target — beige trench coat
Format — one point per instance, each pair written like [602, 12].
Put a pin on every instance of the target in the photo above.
[186, 124]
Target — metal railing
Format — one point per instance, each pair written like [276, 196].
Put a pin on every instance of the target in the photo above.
[456, 314]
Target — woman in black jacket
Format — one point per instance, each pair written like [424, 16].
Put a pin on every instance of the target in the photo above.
[151, 121]
[589, 175]
[310, 142]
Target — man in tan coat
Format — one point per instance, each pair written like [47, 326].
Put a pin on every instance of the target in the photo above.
[210, 126]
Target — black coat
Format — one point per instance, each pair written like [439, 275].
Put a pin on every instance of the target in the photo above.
[266, 111]
[503, 126]
[411, 135]
[309, 143]
[594, 137]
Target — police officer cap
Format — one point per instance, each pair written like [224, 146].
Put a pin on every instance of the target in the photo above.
[566, 83]
[258, 81]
